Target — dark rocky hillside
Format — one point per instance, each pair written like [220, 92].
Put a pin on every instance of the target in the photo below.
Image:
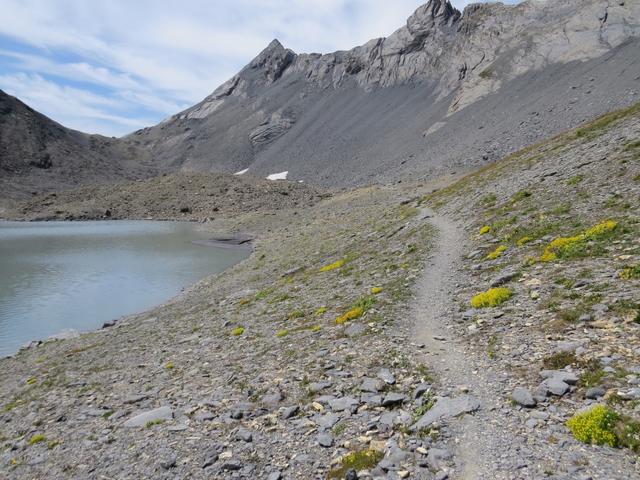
[38, 154]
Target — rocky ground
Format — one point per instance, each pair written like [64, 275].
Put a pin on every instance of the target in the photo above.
[346, 345]
[189, 196]
[274, 368]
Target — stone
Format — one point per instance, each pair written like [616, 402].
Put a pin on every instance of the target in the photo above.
[446, 407]
[325, 440]
[351, 475]
[386, 376]
[141, 419]
[437, 457]
[595, 393]
[523, 397]
[169, 462]
[290, 412]
[556, 386]
[344, 403]
[210, 458]
[371, 385]
[569, 378]
[421, 389]
[393, 399]
[245, 435]
[275, 476]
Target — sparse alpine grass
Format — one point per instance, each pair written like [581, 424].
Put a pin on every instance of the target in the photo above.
[577, 246]
[630, 273]
[497, 253]
[360, 460]
[357, 310]
[333, 266]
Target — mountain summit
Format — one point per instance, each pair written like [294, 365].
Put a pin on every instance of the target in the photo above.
[446, 91]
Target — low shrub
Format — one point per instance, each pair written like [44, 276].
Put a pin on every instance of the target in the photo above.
[282, 333]
[595, 426]
[523, 241]
[236, 332]
[491, 298]
[497, 252]
[484, 230]
[376, 290]
[352, 314]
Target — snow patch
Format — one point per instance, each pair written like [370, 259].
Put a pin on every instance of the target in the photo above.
[242, 172]
[278, 176]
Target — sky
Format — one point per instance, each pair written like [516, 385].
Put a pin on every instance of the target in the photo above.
[112, 67]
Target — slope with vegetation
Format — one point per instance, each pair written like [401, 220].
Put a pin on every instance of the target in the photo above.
[558, 342]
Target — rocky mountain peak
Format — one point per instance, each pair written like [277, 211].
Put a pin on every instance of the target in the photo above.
[273, 60]
[434, 14]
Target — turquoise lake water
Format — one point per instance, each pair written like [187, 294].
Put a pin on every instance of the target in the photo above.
[58, 276]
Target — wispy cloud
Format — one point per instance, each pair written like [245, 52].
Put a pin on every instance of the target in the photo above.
[112, 67]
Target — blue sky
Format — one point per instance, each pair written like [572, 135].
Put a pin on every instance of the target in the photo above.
[114, 66]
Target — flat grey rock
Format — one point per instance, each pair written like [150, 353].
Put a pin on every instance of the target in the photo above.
[523, 397]
[386, 376]
[344, 403]
[445, 408]
[325, 440]
[141, 419]
[569, 378]
[393, 399]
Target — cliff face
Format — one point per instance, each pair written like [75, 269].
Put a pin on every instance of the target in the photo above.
[379, 111]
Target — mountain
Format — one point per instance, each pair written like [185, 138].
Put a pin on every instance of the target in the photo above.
[447, 91]
[38, 154]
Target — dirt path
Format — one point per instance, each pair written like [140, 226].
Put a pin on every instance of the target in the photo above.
[457, 370]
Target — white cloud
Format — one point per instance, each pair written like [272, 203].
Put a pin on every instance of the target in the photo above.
[162, 55]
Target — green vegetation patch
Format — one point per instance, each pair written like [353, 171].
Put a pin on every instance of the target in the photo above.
[491, 298]
[630, 273]
[497, 252]
[360, 460]
[581, 245]
[558, 361]
[487, 73]
[37, 438]
[333, 266]
[604, 426]
[594, 128]
[236, 332]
